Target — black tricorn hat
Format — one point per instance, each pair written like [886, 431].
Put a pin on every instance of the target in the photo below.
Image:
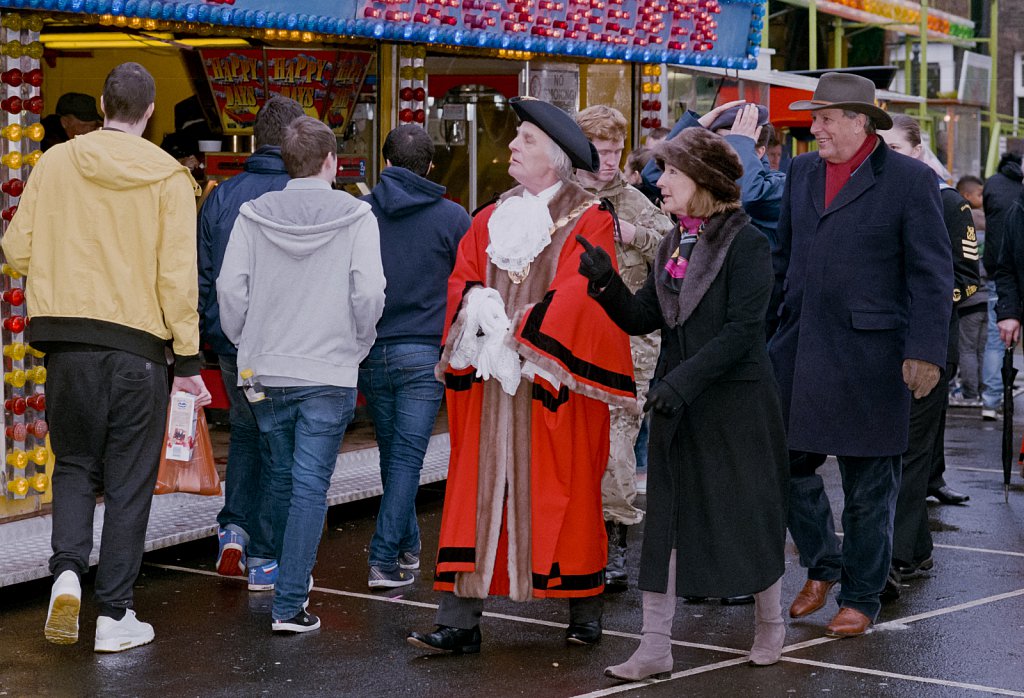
[845, 91]
[561, 128]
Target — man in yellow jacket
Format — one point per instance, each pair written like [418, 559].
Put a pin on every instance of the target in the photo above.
[105, 233]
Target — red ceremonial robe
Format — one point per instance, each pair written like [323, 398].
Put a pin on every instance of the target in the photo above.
[522, 514]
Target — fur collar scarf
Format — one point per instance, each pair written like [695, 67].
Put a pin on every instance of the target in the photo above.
[704, 265]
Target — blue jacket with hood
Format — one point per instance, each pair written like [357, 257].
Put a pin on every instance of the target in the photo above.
[264, 172]
[420, 232]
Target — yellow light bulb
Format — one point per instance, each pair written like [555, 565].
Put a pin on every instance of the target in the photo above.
[18, 486]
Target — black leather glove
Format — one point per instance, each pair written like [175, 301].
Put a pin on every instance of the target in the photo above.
[595, 264]
[664, 399]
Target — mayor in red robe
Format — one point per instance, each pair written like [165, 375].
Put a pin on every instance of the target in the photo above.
[530, 364]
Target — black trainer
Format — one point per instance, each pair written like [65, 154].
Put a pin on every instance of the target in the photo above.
[301, 622]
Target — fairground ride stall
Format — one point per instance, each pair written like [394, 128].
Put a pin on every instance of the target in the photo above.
[363, 66]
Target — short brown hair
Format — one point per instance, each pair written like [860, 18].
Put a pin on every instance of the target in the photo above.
[638, 159]
[306, 143]
[273, 117]
[127, 93]
[704, 204]
[602, 123]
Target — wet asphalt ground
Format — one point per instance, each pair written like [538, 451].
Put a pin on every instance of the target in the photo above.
[958, 631]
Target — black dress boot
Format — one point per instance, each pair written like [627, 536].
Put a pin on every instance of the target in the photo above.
[615, 577]
[448, 639]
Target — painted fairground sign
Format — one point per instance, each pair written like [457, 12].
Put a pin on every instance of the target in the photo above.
[326, 82]
[724, 33]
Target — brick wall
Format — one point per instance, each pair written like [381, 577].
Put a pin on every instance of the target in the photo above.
[1011, 19]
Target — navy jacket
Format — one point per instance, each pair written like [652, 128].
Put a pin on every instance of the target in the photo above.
[264, 171]
[848, 275]
[1008, 271]
[420, 232]
[760, 187]
[998, 197]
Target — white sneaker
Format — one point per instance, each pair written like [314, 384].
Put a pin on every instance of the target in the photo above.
[62, 615]
[120, 635]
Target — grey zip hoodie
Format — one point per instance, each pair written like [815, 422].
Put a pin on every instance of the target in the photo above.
[302, 285]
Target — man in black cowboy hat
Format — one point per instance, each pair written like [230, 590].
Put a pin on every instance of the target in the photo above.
[530, 364]
[861, 234]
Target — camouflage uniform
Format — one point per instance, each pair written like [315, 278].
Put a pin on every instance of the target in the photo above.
[618, 489]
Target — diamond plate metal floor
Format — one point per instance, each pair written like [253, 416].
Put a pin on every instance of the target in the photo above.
[178, 518]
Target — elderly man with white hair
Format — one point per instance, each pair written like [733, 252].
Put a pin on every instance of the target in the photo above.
[530, 365]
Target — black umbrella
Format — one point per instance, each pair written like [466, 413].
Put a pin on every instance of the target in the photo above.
[1009, 373]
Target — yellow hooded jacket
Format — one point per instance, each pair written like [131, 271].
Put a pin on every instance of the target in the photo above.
[106, 233]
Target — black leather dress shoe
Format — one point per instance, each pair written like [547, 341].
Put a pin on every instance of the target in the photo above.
[588, 633]
[448, 639]
[947, 495]
[737, 600]
[913, 569]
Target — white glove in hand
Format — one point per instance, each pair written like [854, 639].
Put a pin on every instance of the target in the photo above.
[920, 376]
[482, 343]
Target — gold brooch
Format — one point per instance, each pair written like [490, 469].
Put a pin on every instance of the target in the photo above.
[517, 277]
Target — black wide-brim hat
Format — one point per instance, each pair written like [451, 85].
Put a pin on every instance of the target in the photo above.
[845, 91]
[561, 128]
[728, 117]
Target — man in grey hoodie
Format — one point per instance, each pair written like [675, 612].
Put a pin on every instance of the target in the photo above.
[300, 293]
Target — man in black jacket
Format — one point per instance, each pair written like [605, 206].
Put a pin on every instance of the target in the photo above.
[397, 377]
[998, 196]
[244, 537]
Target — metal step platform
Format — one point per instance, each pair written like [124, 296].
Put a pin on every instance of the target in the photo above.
[179, 518]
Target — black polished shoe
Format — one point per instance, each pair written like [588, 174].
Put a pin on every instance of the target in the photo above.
[947, 495]
[913, 569]
[448, 639]
[588, 633]
[737, 600]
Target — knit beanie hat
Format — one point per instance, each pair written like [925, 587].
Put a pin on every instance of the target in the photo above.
[706, 158]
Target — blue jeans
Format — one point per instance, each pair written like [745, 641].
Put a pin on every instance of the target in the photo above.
[992, 364]
[246, 487]
[861, 563]
[304, 427]
[403, 397]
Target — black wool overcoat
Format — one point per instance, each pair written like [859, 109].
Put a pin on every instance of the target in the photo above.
[867, 283]
[718, 469]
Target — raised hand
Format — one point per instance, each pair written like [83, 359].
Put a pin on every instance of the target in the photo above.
[595, 264]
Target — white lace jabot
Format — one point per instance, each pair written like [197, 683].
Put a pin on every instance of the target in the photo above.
[520, 229]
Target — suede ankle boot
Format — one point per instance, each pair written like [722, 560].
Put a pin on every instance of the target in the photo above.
[653, 659]
[769, 627]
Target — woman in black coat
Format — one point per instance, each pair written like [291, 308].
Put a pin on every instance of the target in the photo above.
[718, 462]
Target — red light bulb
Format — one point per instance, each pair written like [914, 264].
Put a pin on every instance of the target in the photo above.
[37, 402]
[405, 116]
[15, 324]
[39, 429]
[12, 77]
[14, 187]
[34, 77]
[419, 94]
[15, 405]
[15, 296]
[34, 104]
[405, 94]
[8, 213]
[420, 116]
[11, 104]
